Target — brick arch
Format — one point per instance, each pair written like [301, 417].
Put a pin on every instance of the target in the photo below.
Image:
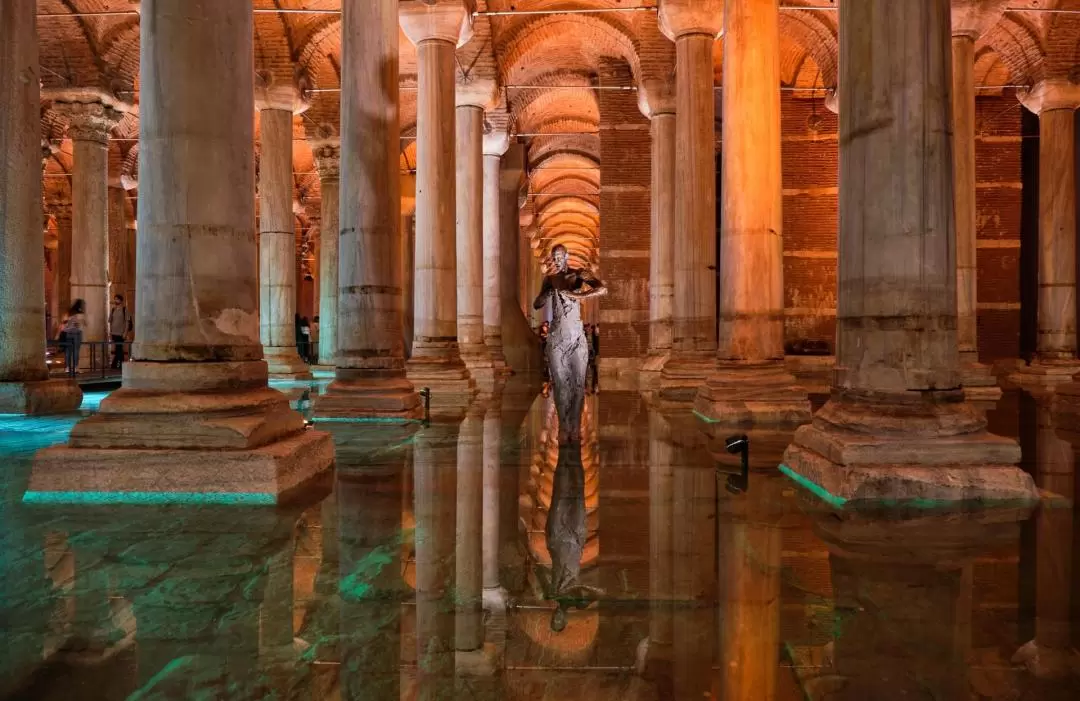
[1018, 44]
[564, 42]
[120, 51]
[816, 35]
[1063, 41]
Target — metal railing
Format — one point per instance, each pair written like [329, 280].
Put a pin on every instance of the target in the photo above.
[96, 359]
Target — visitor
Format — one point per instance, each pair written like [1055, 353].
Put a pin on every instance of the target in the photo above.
[304, 339]
[314, 340]
[71, 334]
[119, 324]
[545, 328]
[594, 352]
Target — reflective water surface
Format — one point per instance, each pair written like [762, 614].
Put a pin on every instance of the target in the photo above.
[476, 559]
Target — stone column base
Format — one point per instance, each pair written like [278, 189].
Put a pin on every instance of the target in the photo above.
[683, 375]
[40, 398]
[477, 663]
[284, 363]
[979, 382]
[652, 367]
[1044, 373]
[354, 395]
[452, 389]
[1065, 408]
[746, 395]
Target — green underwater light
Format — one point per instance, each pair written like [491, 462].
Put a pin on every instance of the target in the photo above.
[813, 487]
[152, 498]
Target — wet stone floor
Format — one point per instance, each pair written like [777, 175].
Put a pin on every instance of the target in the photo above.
[477, 560]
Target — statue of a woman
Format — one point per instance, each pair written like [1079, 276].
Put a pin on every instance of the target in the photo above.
[567, 345]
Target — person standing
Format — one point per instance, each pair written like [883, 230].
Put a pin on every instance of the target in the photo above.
[314, 350]
[304, 339]
[71, 335]
[119, 322]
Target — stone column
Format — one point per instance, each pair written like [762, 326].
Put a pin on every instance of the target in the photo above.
[436, 362]
[408, 259]
[751, 384]
[328, 161]
[277, 103]
[370, 376]
[519, 342]
[195, 415]
[494, 595]
[1055, 101]
[656, 662]
[24, 380]
[693, 25]
[897, 425]
[657, 102]
[89, 124]
[496, 142]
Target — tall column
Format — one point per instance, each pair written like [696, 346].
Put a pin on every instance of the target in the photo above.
[408, 259]
[751, 384]
[897, 425]
[1055, 362]
[370, 376]
[969, 21]
[494, 595]
[195, 415]
[519, 342]
[436, 359]
[277, 103]
[496, 142]
[89, 124]
[693, 25]
[328, 161]
[24, 380]
[657, 102]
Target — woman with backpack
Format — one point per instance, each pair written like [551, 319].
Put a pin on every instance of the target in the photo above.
[71, 333]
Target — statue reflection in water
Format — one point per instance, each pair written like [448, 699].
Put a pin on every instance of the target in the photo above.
[567, 344]
[566, 533]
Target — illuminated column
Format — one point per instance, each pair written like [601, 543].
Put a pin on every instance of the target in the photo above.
[195, 415]
[436, 362]
[496, 142]
[472, 97]
[494, 596]
[751, 384]
[327, 151]
[24, 380]
[657, 102]
[408, 258]
[969, 22]
[693, 25]
[370, 376]
[90, 119]
[897, 425]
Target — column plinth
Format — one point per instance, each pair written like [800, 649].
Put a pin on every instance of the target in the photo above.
[327, 152]
[496, 144]
[370, 359]
[897, 426]
[694, 27]
[751, 384]
[195, 418]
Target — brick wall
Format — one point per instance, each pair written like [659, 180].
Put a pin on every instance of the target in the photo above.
[626, 155]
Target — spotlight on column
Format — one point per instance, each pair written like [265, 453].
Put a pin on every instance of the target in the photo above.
[425, 394]
[739, 445]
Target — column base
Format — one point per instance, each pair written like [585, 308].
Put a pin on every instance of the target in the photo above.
[284, 363]
[894, 448]
[745, 395]
[979, 382]
[652, 368]
[683, 375]
[185, 433]
[356, 393]
[452, 388]
[496, 601]
[1065, 408]
[477, 663]
[1045, 373]
[494, 344]
[40, 398]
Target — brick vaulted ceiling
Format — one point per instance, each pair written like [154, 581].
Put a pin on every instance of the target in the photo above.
[546, 62]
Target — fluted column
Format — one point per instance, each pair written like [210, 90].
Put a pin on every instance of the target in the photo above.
[328, 162]
[370, 376]
[897, 425]
[496, 142]
[89, 124]
[751, 384]
[24, 385]
[436, 362]
[693, 25]
[195, 415]
[472, 97]
[657, 102]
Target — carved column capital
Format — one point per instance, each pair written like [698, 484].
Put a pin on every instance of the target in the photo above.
[832, 100]
[685, 17]
[327, 152]
[496, 142]
[273, 93]
[656, 97]
[447, 20]
[1053, 94]
[475, 92]
[89, 121]
[973, 18]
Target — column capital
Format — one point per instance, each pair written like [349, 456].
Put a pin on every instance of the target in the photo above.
[832, 100]
[496, 142]
[475, 92]
[446, 20]
[973, 18]
[1052, 94]
[656, 97]
[273, 93]
[327, 152]
[684, 17]
[89, 121]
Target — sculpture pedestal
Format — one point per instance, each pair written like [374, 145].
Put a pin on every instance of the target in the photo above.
[39, 398]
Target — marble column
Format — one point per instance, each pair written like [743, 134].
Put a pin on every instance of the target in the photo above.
[969, 21]
[436, 363]
[195, 415]
[89, 124]
[519, 342]
[897, 425]
[494, 595]
[327, 152]
[656, 100]
[277, 103]
[693, 25]
[496, 142]
[24, 380]
[408, 260]
[750, 384]
[370, 376]
[121, 275]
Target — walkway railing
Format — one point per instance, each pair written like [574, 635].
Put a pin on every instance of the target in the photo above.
[95, 359]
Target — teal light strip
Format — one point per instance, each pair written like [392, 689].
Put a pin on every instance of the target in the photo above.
[152, 498]
[813, 487]
[704, 418]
